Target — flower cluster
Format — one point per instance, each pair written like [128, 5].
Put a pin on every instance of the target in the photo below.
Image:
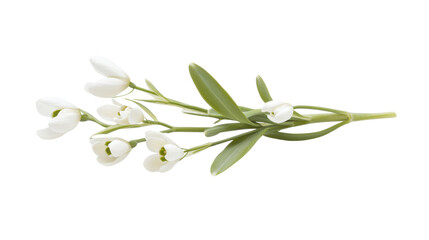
[268, 121]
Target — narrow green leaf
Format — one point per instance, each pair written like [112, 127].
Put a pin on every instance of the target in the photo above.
[303, 136]
[213, 93]
[297, 116]
[235, 151]
[253, 112]
[225, 128]
[260, 118]
[144, 108]
[242, 109]
[263, 90]
[245, 109]
[154, 89]
[195, 113]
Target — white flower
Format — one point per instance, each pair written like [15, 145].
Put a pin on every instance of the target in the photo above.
[278, 112]
[115, 82]
[65, 116]
[110, 150]
[167, 153]
[120, 114]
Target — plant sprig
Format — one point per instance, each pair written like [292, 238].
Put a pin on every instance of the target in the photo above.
[268, 121]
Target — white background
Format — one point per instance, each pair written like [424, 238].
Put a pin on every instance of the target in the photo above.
[367, 180]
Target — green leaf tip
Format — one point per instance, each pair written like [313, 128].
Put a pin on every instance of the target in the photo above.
[235, 150]
[214, 94]
[263, 90]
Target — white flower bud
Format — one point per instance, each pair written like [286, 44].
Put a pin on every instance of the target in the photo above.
[110, 150]
[115, 82]
[278, 112]
[167, 153]
[64, 117]
[120, 114]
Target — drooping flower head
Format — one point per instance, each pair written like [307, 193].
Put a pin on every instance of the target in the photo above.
[167, 153]
[64, 117]
[115, 82]
[278, 112]
[120, 114]
[110, 150]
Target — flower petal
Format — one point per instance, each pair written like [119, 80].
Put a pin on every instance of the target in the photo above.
[156, 140]
[110, 160]
[48, 134]
[115, 102]
[271, 106]
[119, 148]
[66, 120]
[283, 113]
[107, 87]
[108, 112]
[46, 106]
[99, 147]
[174, 153]
[167, 166]
[135, 116]
[153, 163]
[107, 68]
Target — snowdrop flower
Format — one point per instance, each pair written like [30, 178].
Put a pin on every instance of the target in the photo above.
[115, 82]
[278, 112]
[167, 153]
[120, 114]
[65, 116]
[110, 150]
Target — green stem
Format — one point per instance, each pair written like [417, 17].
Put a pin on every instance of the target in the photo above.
[134, 86]
[188, 129]
[211, 144]
[157, 123]
[134, 142]
[320, 108]
[369, 116]
[88, 117]
[169, 100]
[318, 118]
[329, 117]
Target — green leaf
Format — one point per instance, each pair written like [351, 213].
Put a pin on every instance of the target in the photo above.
[260, 118]
[213, 93]
[195, 113]
[263, 90]
[297, 116]
[303, 136]
[254, 112]
[242, 109]
[235, 151]
[245, 109]
[225, 128]
[154, 89]
[144, 108]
